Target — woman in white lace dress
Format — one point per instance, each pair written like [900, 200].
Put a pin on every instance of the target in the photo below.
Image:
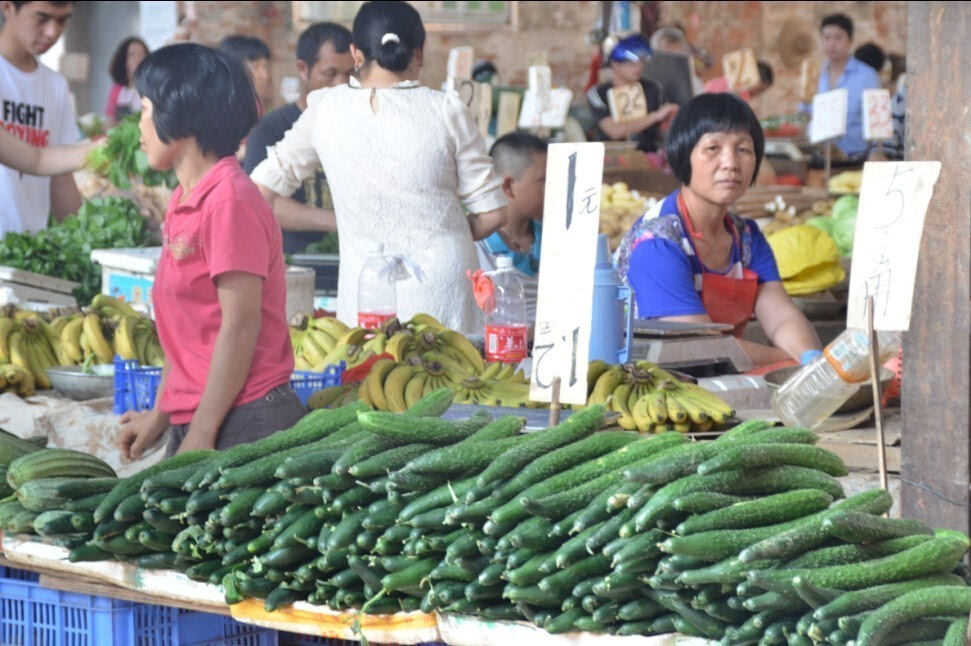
[402, 161]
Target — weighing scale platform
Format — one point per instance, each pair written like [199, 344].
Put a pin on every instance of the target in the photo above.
[699, 349]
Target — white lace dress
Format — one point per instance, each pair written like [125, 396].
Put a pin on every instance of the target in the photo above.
[399, 176]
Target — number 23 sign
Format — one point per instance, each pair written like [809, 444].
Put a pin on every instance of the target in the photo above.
[571, 220]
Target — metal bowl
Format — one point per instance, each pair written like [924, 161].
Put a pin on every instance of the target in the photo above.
[73, 383]
[860, 399]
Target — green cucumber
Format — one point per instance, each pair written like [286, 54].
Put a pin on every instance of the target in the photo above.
[402, 429]
[773, 509]
[564, 580]
[344, 534]
[157, 561]
[702, 502]
[390, 460]
[86, 504]
[854, 552]
[409, 579]
[269, 503]
[729, 571]
[575, 548]
[259, 470]
[160, 520]
[445, 494]
[132, 484]
[957, 633]
[856, 527]
[751, 456]
[941, 601]
[576, 427]
[53, 523]
[814, 596]
[857, 601]
[240, 507]
[89, 552]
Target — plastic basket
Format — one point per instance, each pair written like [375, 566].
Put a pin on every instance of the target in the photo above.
[306, 383]
[296, 639]
[135, 386]
[34, 616]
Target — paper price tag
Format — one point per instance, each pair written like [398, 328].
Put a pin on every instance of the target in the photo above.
[508, 112]
[886, 244]
[627, 103]
[540, 80]
[571, 220]
[460, 63]
[551, 113]
[829, 116]
[877, 116]
[741, 69]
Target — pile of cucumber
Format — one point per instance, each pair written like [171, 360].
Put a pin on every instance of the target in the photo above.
[747, 539]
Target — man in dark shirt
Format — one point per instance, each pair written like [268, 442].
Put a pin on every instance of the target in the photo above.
[323, 60]
[626, 66]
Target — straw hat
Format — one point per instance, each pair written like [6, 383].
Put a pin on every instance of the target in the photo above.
[796, 41]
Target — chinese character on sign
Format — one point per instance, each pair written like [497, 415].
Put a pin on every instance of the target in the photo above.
[878, 286]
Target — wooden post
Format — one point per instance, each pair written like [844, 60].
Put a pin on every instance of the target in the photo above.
[877, 402]
[555, 403]
[936, 439]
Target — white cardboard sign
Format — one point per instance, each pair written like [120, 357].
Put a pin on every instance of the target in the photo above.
[627, 102]
[877, 116]
[478, 98]
[551, 113]
[460, 63]
[889, 224]
[829, 116]
[508, 115]
[571, 220]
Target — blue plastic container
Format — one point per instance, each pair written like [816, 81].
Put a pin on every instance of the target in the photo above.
[34, 616]
[610, 329]
[135, 386]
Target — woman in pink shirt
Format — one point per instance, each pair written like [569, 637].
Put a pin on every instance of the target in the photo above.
[123, 98]
[220, 292]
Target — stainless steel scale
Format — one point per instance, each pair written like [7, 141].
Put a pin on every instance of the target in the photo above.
[698, 349]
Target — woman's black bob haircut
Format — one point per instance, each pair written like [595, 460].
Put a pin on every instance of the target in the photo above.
[200, 92]
[707, 113]
[119, 61]
[402, 25]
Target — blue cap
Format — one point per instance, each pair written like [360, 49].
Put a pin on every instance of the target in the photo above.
[630, 49]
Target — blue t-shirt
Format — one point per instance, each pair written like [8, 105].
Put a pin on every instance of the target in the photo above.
[656, 259]
[528, 262]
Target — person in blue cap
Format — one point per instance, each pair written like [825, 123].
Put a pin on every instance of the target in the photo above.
[626, 61]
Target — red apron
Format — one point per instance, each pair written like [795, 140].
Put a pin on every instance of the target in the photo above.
[727, 300]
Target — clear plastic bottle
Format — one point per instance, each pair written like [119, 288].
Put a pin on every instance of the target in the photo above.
[376, 302]
[506, 323]
[818, 390]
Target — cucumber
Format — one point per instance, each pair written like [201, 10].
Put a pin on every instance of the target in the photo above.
[156, 540]
[936, 556]
[132, 484]
[240, 507]
[855, 602]
[258, 470]
[52, 493]
[566, 457]
[563, 623]
[531, 595]
[773, 509]
[53, 523]
[82, 521]
[854, 552]
[575, 548]
[269, 503]
[408, 579]
[729, 571]
[121, 546]
[465, 546]
[288, 557]
[86, 504]
[940, 601]
[344, 534]
[401, 429]
[856, 527]
[564, 580]
[160, 520]
[608, 531]
[491, 575]
[639, 610]
[701, 502]
[957, 633]
[56, 463]
[157, 561]
[319, 457]
[813, 596]
[618, 500]
[559, 505]
[282, 596]
[89, 552]
[528, 574]
[533, 533]
[130, 509]
[313, 427]
[447, 493]
[171, 478]
[576, 427]
[390, 460]
[459, 458]
[307, 525]
[200, 500]
[752, 456]
[773, 601]
[765, 480]
[809, 532]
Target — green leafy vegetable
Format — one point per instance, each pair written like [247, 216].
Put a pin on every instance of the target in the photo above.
[327, 244]
[121, 158]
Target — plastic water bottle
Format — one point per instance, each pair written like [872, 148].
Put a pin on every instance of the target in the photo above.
[506, 323]
[818, 390]
[376, 303]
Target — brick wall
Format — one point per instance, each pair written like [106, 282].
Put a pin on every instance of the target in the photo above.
[561, 29]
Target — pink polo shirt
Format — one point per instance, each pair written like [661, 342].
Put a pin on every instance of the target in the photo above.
[225, 225]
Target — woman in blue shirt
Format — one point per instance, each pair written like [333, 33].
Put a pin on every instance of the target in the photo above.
[688, 259]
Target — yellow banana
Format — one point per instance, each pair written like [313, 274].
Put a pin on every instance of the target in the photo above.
[676, 412]
[96, 338]
[59, 322]
[506, 371]
[353, 336]
[683, 428]
[35, 365]
[426, 320]
[716, 407]
[358, 356]
[453, 369]
[71, 340]
[376, 343]
[415, 388]
[323, 339]
[605, 385]
[333, 327]
[154, 354]
[327, 396]
[299, 363]
[335, 356]
[7, 325]
[114, 308]
[657, 409]
[464, 347]
[312, 350]
[595, 369]
[618, 403]
[364, 395]
[399, 344]
[642, 418]
[23, 315]
[491, 370]
[696, 413]
[507, 393]
[394, 387]
[375, 382]
[142, 338]
[125, 337]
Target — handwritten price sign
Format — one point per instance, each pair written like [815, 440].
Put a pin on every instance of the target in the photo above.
[829, 116]
[877, 116]
[627, 103]
[571, 219]
[889, 224]
[478, 98]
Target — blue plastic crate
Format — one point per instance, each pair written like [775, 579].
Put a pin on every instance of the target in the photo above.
[306, 383]
[296, 639]
[18, 575]
[135, 386]
[34, 616]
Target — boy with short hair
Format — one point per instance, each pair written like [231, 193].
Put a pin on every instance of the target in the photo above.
[519, 158]
[35, 106]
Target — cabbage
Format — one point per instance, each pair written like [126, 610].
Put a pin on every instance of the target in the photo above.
[843, 232]
[845, 207]
[825, 223]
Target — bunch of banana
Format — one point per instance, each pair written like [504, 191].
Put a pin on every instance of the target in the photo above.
[134, 338]
[97, 337]
[17, 380]
[333, 397]
[384, 387]
[650, 399]
[313, 339]
[110, 308]
[494, 391]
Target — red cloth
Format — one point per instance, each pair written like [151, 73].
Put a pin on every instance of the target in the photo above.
[358, 373]
[483, 290]
[225, 225]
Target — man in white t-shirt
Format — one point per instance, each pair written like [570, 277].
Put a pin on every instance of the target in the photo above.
[35, 105]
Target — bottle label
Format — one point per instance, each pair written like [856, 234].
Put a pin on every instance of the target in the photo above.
[848, 358]
[373, 320]
[505, 343]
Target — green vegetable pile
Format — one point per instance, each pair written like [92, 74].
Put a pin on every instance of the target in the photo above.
[841, 226]
[64, 249]
[121, 158]
[327, 244]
